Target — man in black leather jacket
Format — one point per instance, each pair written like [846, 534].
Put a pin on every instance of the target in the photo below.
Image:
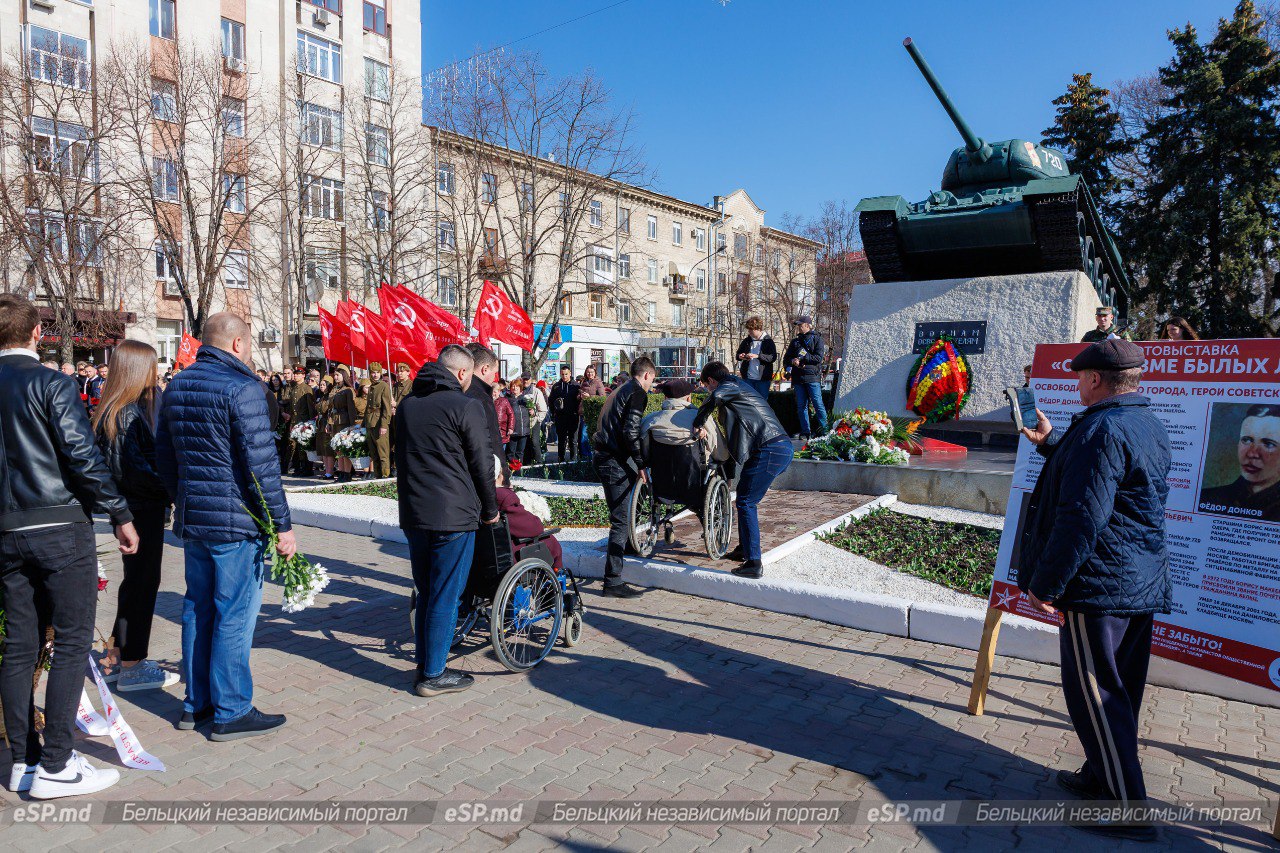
[758, 445]
[53, 478]
[619, 463]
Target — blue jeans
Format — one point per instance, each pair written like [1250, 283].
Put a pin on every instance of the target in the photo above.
[441, 563]
[584, 440]
[757, 475]
[760, 386]
[806, 393]
[219, 613]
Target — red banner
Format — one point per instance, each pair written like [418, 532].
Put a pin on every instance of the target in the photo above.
[355, 336]
[334, 337]
[499, 318]
[371, 328]
[415, 326]
[186, 351]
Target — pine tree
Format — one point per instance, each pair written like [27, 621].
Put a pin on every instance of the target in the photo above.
[1087, 130]
[1204, 226]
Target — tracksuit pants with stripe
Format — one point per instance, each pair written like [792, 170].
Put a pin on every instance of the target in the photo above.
[1104, 671]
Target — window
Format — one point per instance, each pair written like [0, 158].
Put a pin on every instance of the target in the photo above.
[602, 264]
[563, 203]
[164, 179]
[804, 296]
[700, 317]
[447, 235]
[652, 232]
[322, 198]
[320, 125]
[700, 280]
[444, 179]
[624, 266]
[334, 6]
[722, 286]
[164, 100]
[52, 228]
[759, 253]
[168, 339]
[624, 312]
[777, 259]
[233, 116]
[321, 269]
[162, 18]
[700, 239]
[379, 214]
[489, 188]
[56, 57]
[651, 312]
[232, 40]
[319, 57]
[677, 234]
[62, 148]
[653, 271]
[167, 268]
[740, 246]
[624, 220]
[447, 291]
[233, 192]
[377, 80]
[597, 214]
[743, 290]
[235, 269]
[596, 303]
[566, 306]
[792, 263]
[375, 16]
[720, 241]
[377, 145]
[526, 197]
[491, 242]
[677, 313]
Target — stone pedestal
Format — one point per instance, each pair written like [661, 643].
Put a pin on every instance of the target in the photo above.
[1020, 311]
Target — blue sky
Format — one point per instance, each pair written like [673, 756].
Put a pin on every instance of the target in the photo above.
[800, 101]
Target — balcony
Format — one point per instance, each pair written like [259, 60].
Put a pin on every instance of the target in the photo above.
[493, 265]
[677, 286]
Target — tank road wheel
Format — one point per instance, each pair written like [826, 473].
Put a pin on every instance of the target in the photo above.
[717, 518]
[879, 230]
[527, 611]
[643, 513]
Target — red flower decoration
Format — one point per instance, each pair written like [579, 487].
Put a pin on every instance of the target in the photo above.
[516, 465]
[102, 584]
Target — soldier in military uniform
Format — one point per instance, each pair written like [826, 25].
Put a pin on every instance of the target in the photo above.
[302, 408]
[377, 422]
[1105, 316]
[403, 385]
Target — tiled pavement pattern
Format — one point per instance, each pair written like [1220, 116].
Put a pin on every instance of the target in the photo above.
[783, 517]
[667, 697]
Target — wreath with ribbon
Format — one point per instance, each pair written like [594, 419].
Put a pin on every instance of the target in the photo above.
[938, 386]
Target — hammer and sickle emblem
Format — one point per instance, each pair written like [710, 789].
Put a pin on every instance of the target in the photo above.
[405, 316]
[493, 306]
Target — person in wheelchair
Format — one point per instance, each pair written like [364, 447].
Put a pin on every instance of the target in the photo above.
[677, 459]
[522, 523]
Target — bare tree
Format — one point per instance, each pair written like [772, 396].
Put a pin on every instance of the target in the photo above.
[65, 223]
[841, 267]
[196, 137]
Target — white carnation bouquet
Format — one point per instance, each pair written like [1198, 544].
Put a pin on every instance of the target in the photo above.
[301, 578]
[536, 504]
[350, 443]
[304, 434]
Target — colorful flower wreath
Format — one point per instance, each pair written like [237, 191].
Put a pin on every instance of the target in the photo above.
[938, 386]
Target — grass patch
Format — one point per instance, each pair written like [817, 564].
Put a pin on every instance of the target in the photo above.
[565, 512]
[958, 556]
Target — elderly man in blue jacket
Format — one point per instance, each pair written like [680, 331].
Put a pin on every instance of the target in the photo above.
[1093, 549]
[217, 456]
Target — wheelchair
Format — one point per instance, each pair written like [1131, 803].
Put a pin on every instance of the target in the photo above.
[681, 477]
[513, 590]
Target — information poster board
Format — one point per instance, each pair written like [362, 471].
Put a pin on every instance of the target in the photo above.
[1220, 402]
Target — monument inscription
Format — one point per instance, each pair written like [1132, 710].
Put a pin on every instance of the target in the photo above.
[969, 336]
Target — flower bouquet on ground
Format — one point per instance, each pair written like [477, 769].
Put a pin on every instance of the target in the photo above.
[304, 434]
[864, 436]
[351, 443]
[301, 578]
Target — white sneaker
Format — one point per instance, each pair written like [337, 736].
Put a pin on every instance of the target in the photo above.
[78, 777]
[145, 675]
[21, 777]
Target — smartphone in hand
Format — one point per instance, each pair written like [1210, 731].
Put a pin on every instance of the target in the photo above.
[1022, 407]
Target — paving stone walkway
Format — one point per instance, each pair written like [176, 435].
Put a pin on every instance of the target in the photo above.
[668, 697]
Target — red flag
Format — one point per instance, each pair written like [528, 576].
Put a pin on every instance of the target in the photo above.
[334, 337]
[186, 351]
[374, 330]
[404, 339]
[428, 327]
[499, 318]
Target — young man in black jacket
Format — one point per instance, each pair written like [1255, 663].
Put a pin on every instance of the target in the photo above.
[53, 478]
[444, 476]
[803, 360]
[564, 404]
[619, 462]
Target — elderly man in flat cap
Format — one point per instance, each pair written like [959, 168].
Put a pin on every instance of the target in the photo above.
[1094, 550]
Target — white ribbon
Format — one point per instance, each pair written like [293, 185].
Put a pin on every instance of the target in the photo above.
[131, 752]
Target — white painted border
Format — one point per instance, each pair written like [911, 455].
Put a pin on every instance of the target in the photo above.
[788, 548]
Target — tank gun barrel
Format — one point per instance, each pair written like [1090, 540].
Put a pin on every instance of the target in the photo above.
[973, 143]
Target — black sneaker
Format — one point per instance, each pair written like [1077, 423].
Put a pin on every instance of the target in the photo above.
[752, 569]
[189, 721]
[737, 555]
[449, 681]
[251, 724]
[1083, 784]
[621, 590]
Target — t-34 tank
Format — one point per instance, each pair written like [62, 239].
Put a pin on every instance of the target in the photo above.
[1004, 207]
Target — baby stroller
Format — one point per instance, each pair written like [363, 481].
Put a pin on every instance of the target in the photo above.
[681, 477]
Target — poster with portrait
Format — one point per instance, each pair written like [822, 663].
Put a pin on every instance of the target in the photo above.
[1220, 404]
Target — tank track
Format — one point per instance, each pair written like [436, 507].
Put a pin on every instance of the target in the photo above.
[879, 229]
[1063, 223]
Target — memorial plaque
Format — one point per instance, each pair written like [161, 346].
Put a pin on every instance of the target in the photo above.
[969, 336]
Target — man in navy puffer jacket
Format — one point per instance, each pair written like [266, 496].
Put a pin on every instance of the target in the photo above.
[213, 440]
[1093, 548]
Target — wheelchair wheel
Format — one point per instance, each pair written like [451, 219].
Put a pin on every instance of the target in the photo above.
[717, 518]
[644, 519]
[526, 615]
[573, 630]
[467, 619]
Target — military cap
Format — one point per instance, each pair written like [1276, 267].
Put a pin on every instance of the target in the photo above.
[1104, 309]
[401, 364]
[375, 366]
[1110, 354]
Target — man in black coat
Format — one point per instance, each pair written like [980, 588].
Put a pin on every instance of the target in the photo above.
[444, 477]
[803, 360]
[618, 459]
[564, 404]
[483, 378]
[1093, 549]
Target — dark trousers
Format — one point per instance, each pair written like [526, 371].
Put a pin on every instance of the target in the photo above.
[567, 439]
[533, 450]
[757, 475]
[136, 596]
[441, 562]
[1104, 671]
[516, 446]
[618, 480]
[50, 578]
